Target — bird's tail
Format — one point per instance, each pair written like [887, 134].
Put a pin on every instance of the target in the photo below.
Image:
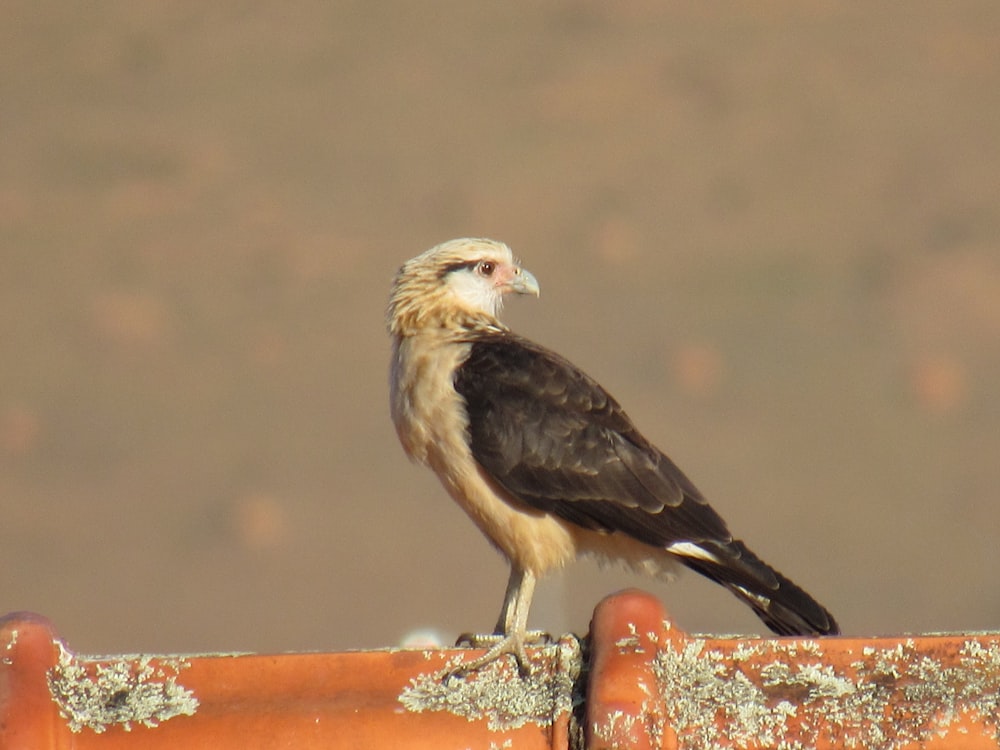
[780, 604]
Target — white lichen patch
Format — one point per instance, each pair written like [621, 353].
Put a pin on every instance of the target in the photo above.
[632, 643]
[700, 686]
[616, 730]
[620, 730]
[498, 693]
[100, 694]
[781, 694]
[9, 646]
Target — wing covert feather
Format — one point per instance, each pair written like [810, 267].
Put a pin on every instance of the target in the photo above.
[556, 440]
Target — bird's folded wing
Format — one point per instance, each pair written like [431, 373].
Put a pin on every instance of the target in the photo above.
[557, 441]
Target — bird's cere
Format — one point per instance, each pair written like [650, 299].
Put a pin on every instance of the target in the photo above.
[523, 282]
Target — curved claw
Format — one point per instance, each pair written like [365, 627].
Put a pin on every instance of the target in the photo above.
[478, 640]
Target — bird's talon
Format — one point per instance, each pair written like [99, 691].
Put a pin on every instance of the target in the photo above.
[539, 638]
[478, 640]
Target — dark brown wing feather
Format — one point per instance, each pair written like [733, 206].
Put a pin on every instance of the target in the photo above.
[556, 440]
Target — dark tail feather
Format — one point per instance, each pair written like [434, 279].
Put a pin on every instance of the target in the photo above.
[780, 604]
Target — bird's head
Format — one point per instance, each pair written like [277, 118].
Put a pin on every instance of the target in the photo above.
[455, 283]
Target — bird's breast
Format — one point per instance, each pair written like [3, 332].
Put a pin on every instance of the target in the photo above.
[426, 410]
[432, 423]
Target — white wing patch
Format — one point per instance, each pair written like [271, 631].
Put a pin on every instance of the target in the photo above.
[689, 549]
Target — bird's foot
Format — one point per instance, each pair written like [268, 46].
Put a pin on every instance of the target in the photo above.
[497, 646]
[489, 640]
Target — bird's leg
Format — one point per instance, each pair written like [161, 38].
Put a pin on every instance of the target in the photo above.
[505, 622]
[515, 584]
[512, 626]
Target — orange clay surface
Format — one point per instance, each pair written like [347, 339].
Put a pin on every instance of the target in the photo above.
[641, 683]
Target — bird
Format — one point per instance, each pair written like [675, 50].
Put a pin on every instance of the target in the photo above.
[541, 457]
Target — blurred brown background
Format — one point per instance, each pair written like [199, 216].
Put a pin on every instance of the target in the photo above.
[770, 229]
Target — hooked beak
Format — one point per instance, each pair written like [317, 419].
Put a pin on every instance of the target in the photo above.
[522, 281]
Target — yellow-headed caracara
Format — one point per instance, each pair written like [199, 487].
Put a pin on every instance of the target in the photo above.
[540, 456]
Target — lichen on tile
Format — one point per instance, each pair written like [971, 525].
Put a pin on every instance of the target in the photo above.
[784, 694]
[119, 692]
[498, 694]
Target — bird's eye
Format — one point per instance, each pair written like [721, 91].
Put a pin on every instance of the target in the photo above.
[487, 267]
